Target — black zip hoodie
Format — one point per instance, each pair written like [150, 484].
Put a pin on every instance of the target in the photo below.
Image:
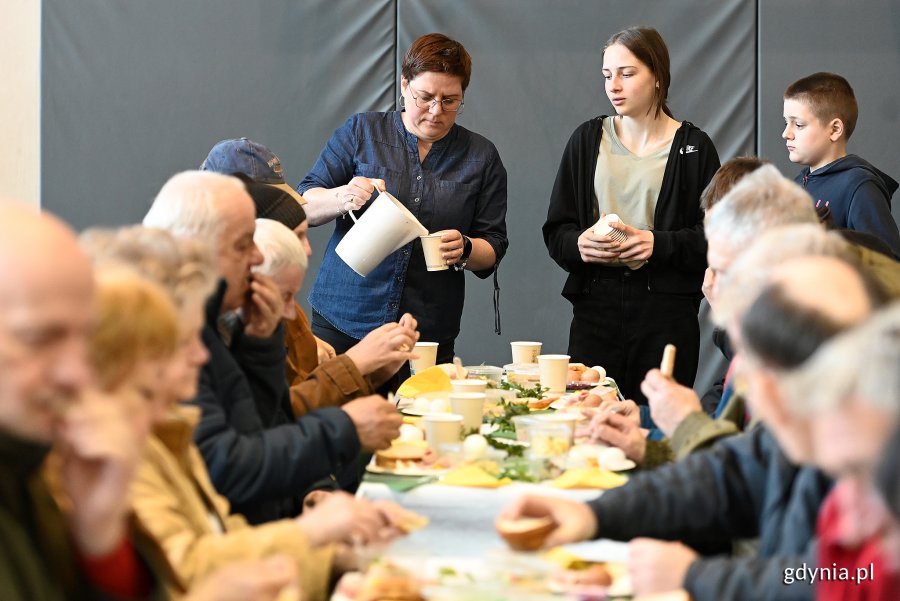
[679, 245]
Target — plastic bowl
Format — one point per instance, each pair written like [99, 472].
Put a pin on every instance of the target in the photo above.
[491, 373]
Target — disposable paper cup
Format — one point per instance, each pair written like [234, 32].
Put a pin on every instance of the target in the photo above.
[431, 246]
[470, 385]
[427, 352]
[442, 429]
[525, 352]
[553, 371]
[470, 405]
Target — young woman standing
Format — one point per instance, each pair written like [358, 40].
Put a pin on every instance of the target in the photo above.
[632, 297]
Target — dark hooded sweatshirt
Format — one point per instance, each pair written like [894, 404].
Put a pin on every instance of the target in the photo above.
[859, 196]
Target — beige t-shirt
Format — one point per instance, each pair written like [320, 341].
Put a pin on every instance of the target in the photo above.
[626, 184]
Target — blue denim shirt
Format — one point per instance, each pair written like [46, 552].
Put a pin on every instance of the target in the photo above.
[461, 185]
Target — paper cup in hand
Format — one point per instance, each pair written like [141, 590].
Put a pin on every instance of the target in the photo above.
[603, 228]
[470, 405]
[525, 352]
[431, 246]
[442, 429]
[427, 352]
[553, 370]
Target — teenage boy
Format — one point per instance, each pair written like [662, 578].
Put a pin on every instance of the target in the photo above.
[820, 115]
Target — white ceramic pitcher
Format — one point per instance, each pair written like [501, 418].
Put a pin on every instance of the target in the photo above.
[384, 228]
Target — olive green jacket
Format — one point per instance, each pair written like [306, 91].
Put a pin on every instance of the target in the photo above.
[697, 431]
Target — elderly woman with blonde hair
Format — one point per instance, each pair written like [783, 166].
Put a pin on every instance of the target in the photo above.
[155, 348]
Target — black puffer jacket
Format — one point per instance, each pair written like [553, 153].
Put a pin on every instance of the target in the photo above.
[259, 456]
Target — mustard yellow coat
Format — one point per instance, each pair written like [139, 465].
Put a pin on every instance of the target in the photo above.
[178, 507]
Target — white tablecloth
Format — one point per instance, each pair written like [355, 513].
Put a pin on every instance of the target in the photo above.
[461, 520]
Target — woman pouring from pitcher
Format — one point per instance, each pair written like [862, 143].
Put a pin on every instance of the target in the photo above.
[450, 178]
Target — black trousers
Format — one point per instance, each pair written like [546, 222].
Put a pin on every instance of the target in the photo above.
[341, 342]
[623, 326]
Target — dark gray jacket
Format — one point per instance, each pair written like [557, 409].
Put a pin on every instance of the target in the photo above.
[258, 454]
[742, 487]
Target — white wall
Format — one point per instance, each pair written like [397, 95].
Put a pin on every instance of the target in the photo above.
[20, 105]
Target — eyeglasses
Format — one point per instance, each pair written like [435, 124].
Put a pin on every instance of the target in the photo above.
[424, 101]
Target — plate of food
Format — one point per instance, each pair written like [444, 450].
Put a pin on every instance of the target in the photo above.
[427, 402]
[382, 580]
[586, 399]
[406, 459]
[601, 456]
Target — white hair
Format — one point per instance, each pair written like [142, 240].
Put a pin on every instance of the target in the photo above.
[190, 205]
[184, 267]
[758, 202]
[862, 363]
[279, 246]
[750, 272]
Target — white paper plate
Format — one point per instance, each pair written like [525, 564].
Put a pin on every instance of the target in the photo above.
[412, 471]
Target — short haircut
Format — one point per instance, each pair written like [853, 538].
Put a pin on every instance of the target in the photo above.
[279, 246]
[828, 96]
[726, 177]
[749, 273]
[435, 52]
[135, 321]
[190, 204]
[184, 267]
[759, 202]
[648, 46]
[861, 363]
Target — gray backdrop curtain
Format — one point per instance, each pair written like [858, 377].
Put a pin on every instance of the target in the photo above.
[134, 91]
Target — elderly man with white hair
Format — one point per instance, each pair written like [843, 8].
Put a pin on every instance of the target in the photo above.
[760, 201]
[259, 456]
[359, 371]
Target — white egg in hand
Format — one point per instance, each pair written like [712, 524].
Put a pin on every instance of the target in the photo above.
[474, 447]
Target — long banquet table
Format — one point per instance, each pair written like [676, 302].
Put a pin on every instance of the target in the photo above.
[461, 520]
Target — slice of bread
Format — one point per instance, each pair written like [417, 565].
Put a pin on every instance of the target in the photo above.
[405, 452]
[525, 534]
